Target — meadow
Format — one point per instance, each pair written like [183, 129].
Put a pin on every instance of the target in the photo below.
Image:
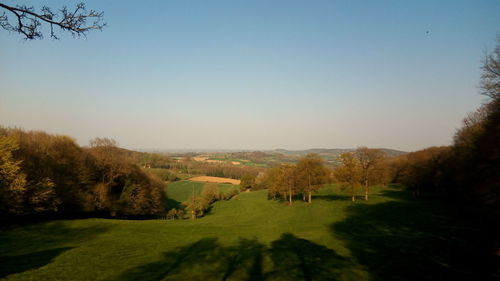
[180, 191]
[390, 237]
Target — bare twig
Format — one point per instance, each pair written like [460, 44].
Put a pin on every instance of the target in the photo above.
[28, 22]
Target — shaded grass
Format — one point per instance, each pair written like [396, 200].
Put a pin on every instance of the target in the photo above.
[390, 237]
[289, 258]
[410, 239]
[34, 246]
[21, 263]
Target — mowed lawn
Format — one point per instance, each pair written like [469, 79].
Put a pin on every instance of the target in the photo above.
[390, 237]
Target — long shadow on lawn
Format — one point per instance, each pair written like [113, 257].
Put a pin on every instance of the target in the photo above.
[289, 258]
[21, 263]
[34, 246]
[408, 239]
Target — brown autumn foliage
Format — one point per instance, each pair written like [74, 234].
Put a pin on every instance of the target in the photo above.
[52, 175]
[368, 158]
[349, 173]
[286, 181]
[281, 182]
[466, 175]
[312, 173]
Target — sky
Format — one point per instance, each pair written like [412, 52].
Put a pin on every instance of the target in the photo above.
[254, 75]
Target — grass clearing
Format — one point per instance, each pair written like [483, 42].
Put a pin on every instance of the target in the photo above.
[181, 191]
[389, 237]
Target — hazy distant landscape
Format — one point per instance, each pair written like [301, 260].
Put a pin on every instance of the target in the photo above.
[250, 140]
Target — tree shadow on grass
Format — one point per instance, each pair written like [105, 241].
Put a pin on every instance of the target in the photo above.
[408, 239]
[300, 259]
[34, 246]
[21, 263]
[288, 258]
[205, 259]
[172, 204]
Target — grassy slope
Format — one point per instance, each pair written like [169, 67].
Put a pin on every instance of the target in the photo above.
[180, 191]
[390, 237]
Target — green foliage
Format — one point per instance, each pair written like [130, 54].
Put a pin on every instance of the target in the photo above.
[231, 194]
[164, 174]
[175, 214]
[210, 192]
[247, 182]
[196, 206]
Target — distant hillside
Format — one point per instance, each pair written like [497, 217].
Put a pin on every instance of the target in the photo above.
[334, 151]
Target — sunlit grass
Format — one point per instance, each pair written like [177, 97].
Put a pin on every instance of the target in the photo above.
[103, 249]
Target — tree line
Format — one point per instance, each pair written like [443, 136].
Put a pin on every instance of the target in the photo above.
[466, 174]
[363, 167]
[51, 175]
[287, 181]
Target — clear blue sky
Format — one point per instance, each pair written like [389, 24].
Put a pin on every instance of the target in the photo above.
[255, 74]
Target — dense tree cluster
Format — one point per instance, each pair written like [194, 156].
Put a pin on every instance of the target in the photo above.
[364, 167]
[307, 176]
[224, 170]
[43, 174]
[164, 174]
[247, 182]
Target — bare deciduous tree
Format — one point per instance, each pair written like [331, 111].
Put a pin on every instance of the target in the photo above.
[368, 158]
[110, 158]
[27, 21]
[490, 78]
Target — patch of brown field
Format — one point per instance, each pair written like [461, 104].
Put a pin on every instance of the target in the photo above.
[200, 158]
[213, 161]
[215, 179]
[235, 163]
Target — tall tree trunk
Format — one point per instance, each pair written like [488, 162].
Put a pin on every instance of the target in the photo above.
[310, 199]
[309, 187]
[352, 194]
[290, 194]
[366, 189]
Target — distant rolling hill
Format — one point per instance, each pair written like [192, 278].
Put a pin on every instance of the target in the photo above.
[334, 151]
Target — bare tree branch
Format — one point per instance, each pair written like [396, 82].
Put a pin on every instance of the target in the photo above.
[28, 22]
[490, 78]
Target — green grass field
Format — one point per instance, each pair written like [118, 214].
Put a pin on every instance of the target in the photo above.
[180, 191]
[389, 237]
